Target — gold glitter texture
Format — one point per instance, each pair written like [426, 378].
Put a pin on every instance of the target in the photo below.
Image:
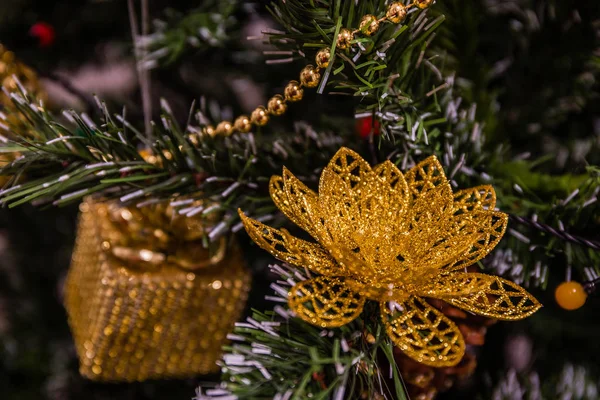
[326, 302]
[133, 320]
[10, 68]
[395, 239]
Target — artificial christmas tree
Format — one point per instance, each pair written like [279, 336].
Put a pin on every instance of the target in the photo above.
[367, 302]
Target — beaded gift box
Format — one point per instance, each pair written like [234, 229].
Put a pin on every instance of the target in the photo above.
[132, 321]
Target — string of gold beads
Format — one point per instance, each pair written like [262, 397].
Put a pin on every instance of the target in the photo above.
[369, 24]
[310, 76]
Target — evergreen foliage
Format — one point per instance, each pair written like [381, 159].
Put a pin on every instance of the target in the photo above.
[503, 92]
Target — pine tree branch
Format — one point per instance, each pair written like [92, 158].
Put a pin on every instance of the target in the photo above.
[61, 162]
[566, 236]
[208, 26]
[277, 355]
[390, 71]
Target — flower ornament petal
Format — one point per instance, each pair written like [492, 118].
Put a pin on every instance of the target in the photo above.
[287, 248]
[339, 209]
[476, 198]
[349, 166]
[426, 175]
[454, 285]
[357, 237]
[339, 196]
[427, 223]
[496, 298]
[295, 200]
[422, 332]
[475, 206]
[490, 226]
[469, 232]
[389, 173]
[383, 199]
[361, 209]
[325, 301]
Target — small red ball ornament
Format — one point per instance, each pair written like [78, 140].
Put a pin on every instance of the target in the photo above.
[44, 32]
[570, 295]
[365, 125]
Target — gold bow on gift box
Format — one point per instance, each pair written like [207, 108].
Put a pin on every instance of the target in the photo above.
[145, 299]
[155, 236]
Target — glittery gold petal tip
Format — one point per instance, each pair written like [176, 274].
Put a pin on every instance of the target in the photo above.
[289, 249]
[279, 197]
[428, 213]
[425, 176]
[348, 166]
[338, 206]
[497, 298]
[422, 332]
[325, 301]
[295, 200]
[353, 220]
[453, 285]
[389, 173]
[384, 198]
[476, 198]
[490, 227]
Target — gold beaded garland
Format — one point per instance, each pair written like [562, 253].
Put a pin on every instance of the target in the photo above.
[344, 39]
[323, 57]
[310, 76]
[422, 4]
[209, 130]
[224, 128]
[242, 124]
[293, 91]
[260, 116]
[369, 24]
[194, 138]
[277, 105]
[396, 12]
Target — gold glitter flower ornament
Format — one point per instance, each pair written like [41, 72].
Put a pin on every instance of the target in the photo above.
[395, 239]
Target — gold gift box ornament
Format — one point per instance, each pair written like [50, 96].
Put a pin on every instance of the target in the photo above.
[145, 299]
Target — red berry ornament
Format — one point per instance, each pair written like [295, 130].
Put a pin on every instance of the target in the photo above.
[365, 125]
[44, 32]
[570, 295]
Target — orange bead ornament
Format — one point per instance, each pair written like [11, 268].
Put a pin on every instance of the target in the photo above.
[570, 295]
